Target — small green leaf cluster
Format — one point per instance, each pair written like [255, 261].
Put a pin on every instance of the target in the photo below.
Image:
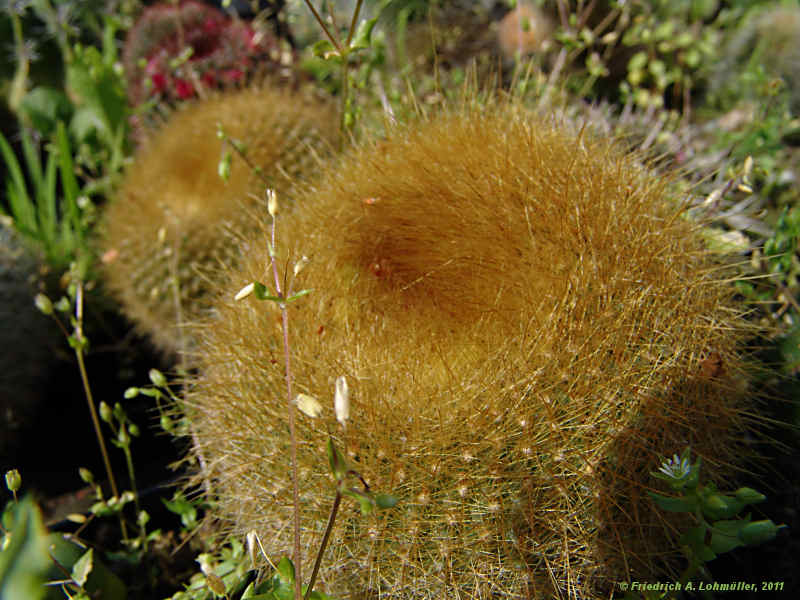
[281, 586]
[665, 46]
[781, 249]
[92, 102]
[228, 565]
[185, 508]
[52, 212]
[50, 199]
[23, 554]
[338, 50]
[33, 560]
[70, 304]
[164, 396]
[120, 424]
[104, 507]
[719, 528]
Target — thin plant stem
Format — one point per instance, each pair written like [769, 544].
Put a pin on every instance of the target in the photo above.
[345, 94]
[88, 391]
[298, 558]
[324, 544]
[330, 36]
[353, 23]
[129, 460]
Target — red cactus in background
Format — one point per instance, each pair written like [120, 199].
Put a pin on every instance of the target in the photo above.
[175, 51]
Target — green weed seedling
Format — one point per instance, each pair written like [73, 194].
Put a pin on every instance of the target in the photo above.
[72, 305]
[719, 527]
[51, 213]
[338, 51]
[23, 549]
[37, 565]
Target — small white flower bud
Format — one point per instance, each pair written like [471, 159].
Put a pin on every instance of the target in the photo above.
[157, 377]
[251, 547]
[44, 304]
[245, 291]
[272, 202]
[308, 405]
[341, 400]
[300, 265]
[748, 166]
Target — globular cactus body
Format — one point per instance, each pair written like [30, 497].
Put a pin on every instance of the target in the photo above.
[174, 220]
[176, 51]
[525, 322]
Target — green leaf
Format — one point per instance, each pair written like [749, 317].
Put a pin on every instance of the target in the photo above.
[47, 200]
[20, 203]
[262, 293]
[82, 568]
[725, 535]
[299, 294]
[71, 214]
[637, 62]
[224, 166]
[363, 37]
[695, 540]
[100, 583]
[285, 570]
[671, 504]
[45, 106]
[325, 49]
[24, 560]
[183, 508]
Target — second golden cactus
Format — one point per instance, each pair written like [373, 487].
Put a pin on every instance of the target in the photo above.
[175, 220]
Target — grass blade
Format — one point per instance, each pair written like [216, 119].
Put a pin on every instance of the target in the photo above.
[19, 202]
[70, 214]
[48, 217]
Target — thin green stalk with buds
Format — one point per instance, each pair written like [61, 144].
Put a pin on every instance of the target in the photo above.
[78, 341]
[289, 573]
[283, 298]
[334, 48]
[272, 205]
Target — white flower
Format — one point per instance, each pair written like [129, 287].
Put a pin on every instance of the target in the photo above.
[677, 468]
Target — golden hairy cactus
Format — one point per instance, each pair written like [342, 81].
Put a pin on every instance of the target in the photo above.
[164, 235]
[525, 322]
